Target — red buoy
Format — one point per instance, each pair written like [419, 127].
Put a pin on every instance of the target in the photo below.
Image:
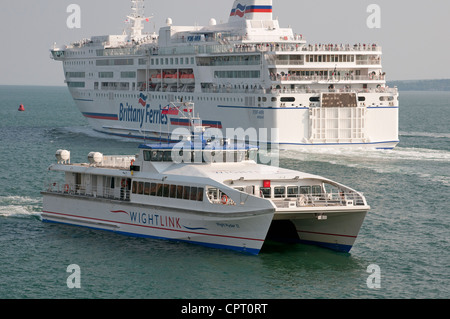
[21, 108]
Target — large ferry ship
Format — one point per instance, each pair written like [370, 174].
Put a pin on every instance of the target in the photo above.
[249, 73]
[203, 191]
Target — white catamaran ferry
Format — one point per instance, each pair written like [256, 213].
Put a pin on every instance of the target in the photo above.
[246, 73]
[203, 191]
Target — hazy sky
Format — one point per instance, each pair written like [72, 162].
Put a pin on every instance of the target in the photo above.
[414, 34]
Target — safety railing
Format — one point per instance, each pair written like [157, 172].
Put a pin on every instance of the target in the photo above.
[319, 200]
[88, 190]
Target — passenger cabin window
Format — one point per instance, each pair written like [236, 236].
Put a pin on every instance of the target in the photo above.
[317, 190]
[311, 190]
[292, 191]
[186, 192]
[168, 191]
[279, 192]
[265, 192]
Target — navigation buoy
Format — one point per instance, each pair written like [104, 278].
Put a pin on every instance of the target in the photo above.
[21, 108]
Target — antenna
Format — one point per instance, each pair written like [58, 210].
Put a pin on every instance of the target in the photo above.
[137, 18]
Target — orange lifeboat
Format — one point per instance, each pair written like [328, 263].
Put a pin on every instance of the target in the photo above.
[171, 78]
[187, 79]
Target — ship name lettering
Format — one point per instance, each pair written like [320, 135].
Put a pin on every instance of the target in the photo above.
[129, 113]
[155, 220]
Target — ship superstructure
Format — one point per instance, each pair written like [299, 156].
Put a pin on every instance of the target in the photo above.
[246, 73]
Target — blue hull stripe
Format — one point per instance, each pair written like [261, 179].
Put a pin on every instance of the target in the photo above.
[336, 247]
[251, 251]
[298, 144]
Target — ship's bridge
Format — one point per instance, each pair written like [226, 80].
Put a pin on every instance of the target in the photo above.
[198, 151]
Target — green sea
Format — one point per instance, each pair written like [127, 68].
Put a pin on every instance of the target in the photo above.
[406, 233]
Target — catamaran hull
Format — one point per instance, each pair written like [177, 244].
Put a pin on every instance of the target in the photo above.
[337, 232]
[244, 232]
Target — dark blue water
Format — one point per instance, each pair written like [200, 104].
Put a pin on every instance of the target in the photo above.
[406, 233]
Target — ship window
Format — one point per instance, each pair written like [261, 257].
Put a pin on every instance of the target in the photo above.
[180, 192]
[104, 75]
[305, 189]
[156, 156]
[153, 189]
[200, 192]
[216, 196]
[292, 191]
[287, 99]
[167, 156]
[159, 190]
[140, 188]
[147, 156]
[128, 75]
[265, 192]
[212, 193]
[314, 99]
[193, 193]
[279, 191]
[173, 191]
[186, 192]
[76, 84]
[166, 191]
[147, 189]
[317, 190]
[134, 188]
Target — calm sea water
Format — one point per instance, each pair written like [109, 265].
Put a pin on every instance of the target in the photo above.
[406, 233]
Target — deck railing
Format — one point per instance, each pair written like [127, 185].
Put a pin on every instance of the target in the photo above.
[320, 200]
[87, 190]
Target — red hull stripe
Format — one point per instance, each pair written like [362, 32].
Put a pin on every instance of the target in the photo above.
[153, 227]
[326, 234]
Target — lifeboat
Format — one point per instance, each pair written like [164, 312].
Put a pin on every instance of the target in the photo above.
[187, 79]
[156, 78]
[171, 78]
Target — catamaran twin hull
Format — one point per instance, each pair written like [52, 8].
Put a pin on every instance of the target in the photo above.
[244, 232]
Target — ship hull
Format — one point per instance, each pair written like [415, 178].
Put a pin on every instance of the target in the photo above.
[328, 228]
[243, 232]
[338, 232]
[289, 128]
